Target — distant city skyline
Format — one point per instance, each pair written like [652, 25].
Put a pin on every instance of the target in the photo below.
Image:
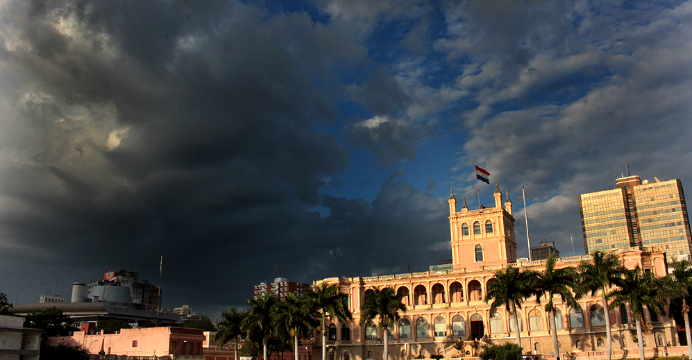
[321, 137]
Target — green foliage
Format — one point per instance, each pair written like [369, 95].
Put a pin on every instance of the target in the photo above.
[51, 321]
[383, 304]
[250, 348]
[329, 300]
[199, 322]
[63, 351]
[112, 325]
[5, 305]
[295, 316]
[511, 288]
[229, 327]
[508, 351]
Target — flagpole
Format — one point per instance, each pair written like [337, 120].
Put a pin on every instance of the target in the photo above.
[479, 194]
[526, 216]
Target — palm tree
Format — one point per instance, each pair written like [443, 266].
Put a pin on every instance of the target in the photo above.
[295, 315]
[329, 301]
[260, 319]
[678, 288]
[638, 291]
[553, 282]
[386, 305]
[599, 274]
[511, 289]
[229, 328]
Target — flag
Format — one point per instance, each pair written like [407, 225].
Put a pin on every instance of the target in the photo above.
[482, 175]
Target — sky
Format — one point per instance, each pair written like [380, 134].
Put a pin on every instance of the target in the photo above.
[247, 140]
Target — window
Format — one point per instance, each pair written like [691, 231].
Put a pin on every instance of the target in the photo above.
[623, 314]
[653, 316]
[332, 332]
[390, 332]
[404, 329]
[345, 333]
[597, 316]
[346, 356]
[600, 342]
[576, 318]
[476, 228]
[661, 340]
[465, 229]
[134, 343]
[440, 327]
[370, 331]
[488, 227]
[512, 329]
[558, 320]
[369, 355]
[535, 320]
[458, 328]
[496, 324]
[578, 344]
[421, 328]
[479, 253]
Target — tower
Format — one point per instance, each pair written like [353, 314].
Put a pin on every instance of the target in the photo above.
[484, 236]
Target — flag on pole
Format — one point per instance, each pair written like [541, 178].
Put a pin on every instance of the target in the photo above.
[482, 175]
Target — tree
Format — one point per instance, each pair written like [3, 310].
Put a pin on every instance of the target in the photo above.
[295, 314]
[112, 325]
[259, 321]
[510, 289]
[329, 300]
[63, 351]
[385, 305]
[507, 351]
[678, 288]
[5, 305]
[551, 282]
[599, 274]
[199, 322]
[229, 328]
[51, 321]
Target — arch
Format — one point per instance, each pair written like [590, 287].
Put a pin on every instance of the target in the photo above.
[535, 320]
[600, 342]
[559, 321]
[465, 229]
[488, 227]
[487, 284]
[347, 356]
[537, 347]
[332, 332]
[652, 316]
[440, 326]
[456, 292]
[420, 294]
[661, 339]
[458, 326]
[370, 331]
[369, 355]
[404, 329]
[623, 314]
[422, 328]
[476, 228]
[438, 294]
[578, 344]
[475, 291]
[596, 315]
[496, 326]
[478, 253]
[576, 318]
[512, 328]
[477, 327]
[367, 293]
[345, 332]
[404, 293]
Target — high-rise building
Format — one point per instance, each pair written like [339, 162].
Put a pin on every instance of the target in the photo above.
[544, 250]
[637, 213]
[144, 295]
[280, 287]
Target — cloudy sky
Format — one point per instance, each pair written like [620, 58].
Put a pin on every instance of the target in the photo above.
[318, 137]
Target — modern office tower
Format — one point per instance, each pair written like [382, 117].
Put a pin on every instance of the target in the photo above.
[281, 287]
[637, 213]
[543, 250]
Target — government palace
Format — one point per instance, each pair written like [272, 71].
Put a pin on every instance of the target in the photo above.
[446, 306]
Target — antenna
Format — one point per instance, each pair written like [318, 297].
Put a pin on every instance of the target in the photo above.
[572, 240]
[628, 169]
[526, 216]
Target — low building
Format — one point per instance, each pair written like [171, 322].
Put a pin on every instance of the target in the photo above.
[45, 298]
[16, 341]
[160, 342]
[184, 310]
[543, 250]
[280, 287]
[94, 311]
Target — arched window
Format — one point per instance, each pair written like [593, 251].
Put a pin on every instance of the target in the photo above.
[438, 294]
[465, 229]
[512, 329]
[600, 342]
[370, 331]
[488, 227]
[559, 322]
[623, 314]
[475, 291]
[479, 253]
[597, 316]
[369, 355]
[496, 324]
[346, 355]
[456, 292]
[661, 340]
[421, 328]
[653, 316]
[403, 291]
[458, 326]
[420, 295]
[404, 329]
[476, 228]
[390, 332]
[332, 332]
[440, 327]
[576, 318]
[536, 347]
[535, 320]
[345, 332]
[578, 344]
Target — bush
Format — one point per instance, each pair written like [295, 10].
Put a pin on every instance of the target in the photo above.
[508, 351]
[63, 351]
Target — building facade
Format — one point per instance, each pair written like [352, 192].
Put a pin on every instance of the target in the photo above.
[446, 306]
[143, 295]
[281, 287]
[543, 250]
[45, 298]
[637, 213]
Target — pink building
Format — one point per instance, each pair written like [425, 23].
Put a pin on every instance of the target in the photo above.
[163, 342]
